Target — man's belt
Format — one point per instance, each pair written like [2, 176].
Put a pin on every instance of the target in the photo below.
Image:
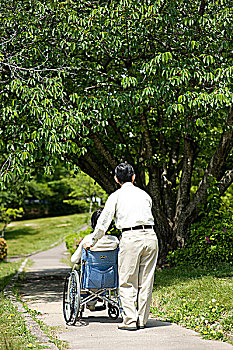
[139, 227]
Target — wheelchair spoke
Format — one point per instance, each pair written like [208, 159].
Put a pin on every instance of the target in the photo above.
[71, 297]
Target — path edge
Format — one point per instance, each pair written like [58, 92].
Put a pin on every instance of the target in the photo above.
[32, 326]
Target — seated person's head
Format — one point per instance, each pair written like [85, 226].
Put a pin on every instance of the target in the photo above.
[94, 218]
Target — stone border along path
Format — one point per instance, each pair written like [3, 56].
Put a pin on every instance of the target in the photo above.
[32, 325]
[41, 289]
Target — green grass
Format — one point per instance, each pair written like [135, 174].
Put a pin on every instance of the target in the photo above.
[196, 298]
[13, 335]
[24, 237]
[7, 271]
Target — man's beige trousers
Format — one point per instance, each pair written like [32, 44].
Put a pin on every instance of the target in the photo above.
[137, 260]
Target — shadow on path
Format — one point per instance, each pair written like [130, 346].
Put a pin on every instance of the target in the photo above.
[44, 287]
[85, 321]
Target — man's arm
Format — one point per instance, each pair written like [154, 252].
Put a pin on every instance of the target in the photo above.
[76, 257]
[104, 220]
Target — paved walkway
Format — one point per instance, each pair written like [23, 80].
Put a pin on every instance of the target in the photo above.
[42, 291]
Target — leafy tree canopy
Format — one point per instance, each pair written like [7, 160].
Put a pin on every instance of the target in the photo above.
[93, 83]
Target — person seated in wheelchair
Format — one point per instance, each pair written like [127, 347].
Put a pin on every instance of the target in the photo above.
[107, 242]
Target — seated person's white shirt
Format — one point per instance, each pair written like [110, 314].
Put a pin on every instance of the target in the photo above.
[107, 242]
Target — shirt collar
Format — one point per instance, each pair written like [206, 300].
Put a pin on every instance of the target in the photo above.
[127, 184]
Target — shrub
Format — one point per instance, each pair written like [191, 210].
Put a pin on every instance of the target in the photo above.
[3, 249]
[72, 240]
[210, 242]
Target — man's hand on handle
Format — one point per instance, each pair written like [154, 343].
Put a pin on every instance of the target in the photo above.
[87, 245]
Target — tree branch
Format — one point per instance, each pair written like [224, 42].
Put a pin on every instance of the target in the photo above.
[202, 8]
[122, 140]
[99, 173]
[225, 182]
[183, 195]
[215, 167]
[155, 192]
[104, 151]
[146, 136]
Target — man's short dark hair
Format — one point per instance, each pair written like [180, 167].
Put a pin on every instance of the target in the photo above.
[124, 172]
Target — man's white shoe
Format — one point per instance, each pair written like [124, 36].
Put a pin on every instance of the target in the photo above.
[130, 327]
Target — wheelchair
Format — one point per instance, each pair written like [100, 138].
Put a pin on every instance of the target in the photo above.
[96, 280]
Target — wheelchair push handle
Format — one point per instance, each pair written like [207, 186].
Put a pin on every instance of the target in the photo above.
[74, 267]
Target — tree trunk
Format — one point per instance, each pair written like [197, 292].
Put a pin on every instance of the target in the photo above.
[169, 183]
[165, 237]
[4, 230]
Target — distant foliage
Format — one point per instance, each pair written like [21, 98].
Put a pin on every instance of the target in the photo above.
[49, 195]
[210, 242]
[84, 192]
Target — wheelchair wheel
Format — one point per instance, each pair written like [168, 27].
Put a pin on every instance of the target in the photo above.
[71, 298]
[113, 312]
